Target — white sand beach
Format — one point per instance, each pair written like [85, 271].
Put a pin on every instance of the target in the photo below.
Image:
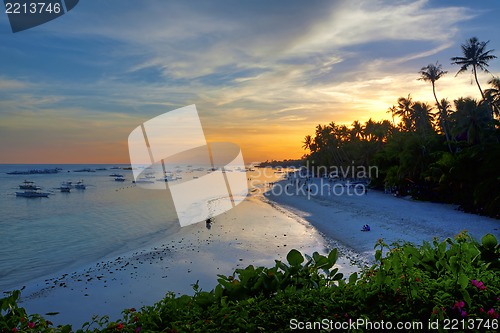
[394, 219]
[259, 230]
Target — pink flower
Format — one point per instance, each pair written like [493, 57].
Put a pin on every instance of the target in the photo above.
[492, 314]
[14, 329]
[137, 330]
[478, 284]
[459, 307]
[31, 324]
[119, 326]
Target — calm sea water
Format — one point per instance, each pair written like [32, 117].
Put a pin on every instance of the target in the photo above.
[42, 236]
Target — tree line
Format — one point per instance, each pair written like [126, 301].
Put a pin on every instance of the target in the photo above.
[446, 152]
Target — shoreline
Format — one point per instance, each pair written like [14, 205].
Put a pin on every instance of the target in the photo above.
[255, 232]
[394, 219]
[261, 229]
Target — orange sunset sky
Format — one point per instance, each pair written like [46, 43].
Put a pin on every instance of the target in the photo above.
[262, 75]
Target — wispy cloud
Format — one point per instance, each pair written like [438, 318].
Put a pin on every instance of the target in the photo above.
[12, 84]
[253, 68]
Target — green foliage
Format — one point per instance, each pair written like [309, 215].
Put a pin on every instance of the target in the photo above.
[451, 279]
[453, 158]
[429, 152]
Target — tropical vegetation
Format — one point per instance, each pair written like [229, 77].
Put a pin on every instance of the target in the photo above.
[447, 152]
[438, 286]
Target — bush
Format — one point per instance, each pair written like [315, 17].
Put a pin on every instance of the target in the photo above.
[455, 282]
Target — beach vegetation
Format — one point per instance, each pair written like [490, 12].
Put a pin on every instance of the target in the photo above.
[447, 152]
[431, 287]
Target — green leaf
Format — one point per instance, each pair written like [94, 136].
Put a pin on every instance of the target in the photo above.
[463, 280]
[338, 277]
[466, 296]
[454, 265]
[353, 278]
[294, 258]
[218, 291]
[489, 241]
[333, 256]
[317, 257]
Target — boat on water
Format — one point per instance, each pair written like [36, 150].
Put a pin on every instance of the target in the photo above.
[32, 194]
[35, 172]
[66, 187]
[80, 185]
[115, 175]
[85, 170]
[28, 185]
[120, 179]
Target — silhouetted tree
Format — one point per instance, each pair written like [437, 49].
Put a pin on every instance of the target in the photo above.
[475, 56]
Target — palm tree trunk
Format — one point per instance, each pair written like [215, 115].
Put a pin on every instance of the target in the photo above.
[477, 82]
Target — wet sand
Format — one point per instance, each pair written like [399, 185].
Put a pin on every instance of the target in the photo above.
[252, 233]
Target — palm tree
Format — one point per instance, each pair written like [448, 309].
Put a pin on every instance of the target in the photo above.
[475, 56]
[493, 95]
[404, 111]
[422, 118]
[443, 117]
[357, 130]
[393, 111]
[472, 120]
[307, 142]
[431, 73]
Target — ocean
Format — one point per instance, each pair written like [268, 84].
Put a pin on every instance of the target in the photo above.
[44, 236]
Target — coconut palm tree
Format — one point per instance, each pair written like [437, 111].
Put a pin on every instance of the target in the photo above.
[443, 118]
[422, 118]
[307, 142]
[393, 111]
[475, 56]
[471, 120]
[404, 111]
[431, 73]
[493, 95]
[357, 130]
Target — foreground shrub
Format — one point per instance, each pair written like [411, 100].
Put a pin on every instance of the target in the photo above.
[454, 284]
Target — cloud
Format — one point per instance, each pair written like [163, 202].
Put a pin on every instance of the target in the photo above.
[12, 84]
[251, 67]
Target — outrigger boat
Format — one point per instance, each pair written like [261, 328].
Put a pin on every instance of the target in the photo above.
[66, 187]
[32, 194]
[28, 185]
[80, 185]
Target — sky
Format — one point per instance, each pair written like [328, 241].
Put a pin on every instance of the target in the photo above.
[262, 74]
